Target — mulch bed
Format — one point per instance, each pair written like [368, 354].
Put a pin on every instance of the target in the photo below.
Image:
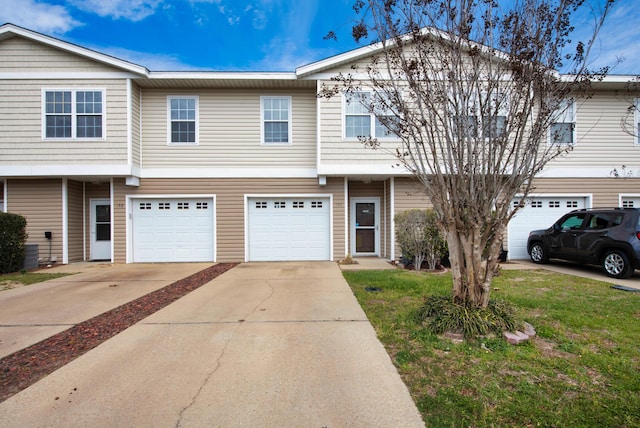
[27, 366]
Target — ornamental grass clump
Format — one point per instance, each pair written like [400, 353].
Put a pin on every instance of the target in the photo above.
[440, 314]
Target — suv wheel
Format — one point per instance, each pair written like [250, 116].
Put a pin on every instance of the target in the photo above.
[616, 264]
[538, 254]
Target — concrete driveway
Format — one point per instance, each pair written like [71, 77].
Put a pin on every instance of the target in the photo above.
[33, 313]
[265, 344]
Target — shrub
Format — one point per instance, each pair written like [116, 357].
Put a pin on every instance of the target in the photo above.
[419, 238]
[440, 314]
[13, 235]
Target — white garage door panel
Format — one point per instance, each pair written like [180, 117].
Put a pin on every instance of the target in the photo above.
[173, 230]
[539, 213]
[289, 229]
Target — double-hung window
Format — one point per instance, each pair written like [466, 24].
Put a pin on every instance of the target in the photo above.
[361, 122]
[494, 119]
[562, 130]
[183, 119]
[276, 120]
[73, 114]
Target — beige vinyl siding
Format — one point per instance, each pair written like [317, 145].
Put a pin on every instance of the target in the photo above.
[74, 221]
[136, 135]
[604, 191]
[229, 131]
[600, 139]
[230, 216]
[40, 202]
[21, 55]
[408, 195]
[21, 141]
[335, 150]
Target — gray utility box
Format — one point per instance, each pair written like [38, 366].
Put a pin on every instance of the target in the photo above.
[31, 252]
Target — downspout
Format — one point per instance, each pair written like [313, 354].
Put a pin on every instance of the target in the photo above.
[65, 221]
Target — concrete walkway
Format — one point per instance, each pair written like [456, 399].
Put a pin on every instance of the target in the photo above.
[265, 344]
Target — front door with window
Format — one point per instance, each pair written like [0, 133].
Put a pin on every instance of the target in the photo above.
[365, 238]
[100, 229]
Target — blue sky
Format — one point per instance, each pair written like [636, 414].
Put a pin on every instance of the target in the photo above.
[234, 35]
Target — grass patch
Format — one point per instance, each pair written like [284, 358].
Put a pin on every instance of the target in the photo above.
[582, 369]
[19, 279]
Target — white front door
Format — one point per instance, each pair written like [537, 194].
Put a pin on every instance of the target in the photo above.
[100, 229]
[365, 226]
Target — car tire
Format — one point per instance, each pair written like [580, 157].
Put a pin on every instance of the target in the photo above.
[616, 264]
[538, 253]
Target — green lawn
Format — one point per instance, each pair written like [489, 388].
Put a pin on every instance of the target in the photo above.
[582, 369]
[18, 279]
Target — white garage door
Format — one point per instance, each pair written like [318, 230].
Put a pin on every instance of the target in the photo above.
[289, 228]
[173, 230]
[539, 213]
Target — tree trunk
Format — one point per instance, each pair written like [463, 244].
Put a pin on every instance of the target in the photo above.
[472, 268]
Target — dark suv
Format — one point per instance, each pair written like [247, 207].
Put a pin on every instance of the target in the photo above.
[607, 237]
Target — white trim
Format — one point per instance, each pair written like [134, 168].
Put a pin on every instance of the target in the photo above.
[318, 126]
[392, 209]
[248, 196]
[65, 221]
[84, 221]
[112, 205]
[352, 227]
[55, 75]
[66, 170]
[289, 121]
[74, 114]
[578, 172]
[222, 172]
[220, 75]
[368, 169]
[129, 123]
[129, 217]
[6, 195]
[346, 217]
[196, 98]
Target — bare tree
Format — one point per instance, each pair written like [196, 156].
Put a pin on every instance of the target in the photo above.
[470, 89]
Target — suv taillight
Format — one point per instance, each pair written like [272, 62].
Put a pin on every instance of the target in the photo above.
[638, 235]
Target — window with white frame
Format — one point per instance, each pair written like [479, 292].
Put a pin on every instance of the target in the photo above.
[494, 121]
[562, 129]
[73, 114]
[276, 120]
[183, 119]
[360, 122]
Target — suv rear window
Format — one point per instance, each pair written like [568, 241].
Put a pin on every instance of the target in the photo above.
[598, 221]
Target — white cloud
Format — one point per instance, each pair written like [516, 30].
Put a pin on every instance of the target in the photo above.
[154, 62]
[37, 16]
[133, 10]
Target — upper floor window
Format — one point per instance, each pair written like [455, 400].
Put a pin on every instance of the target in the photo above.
[361, 122]
[183, 120]
[562, 130]
[73, 114]
[276, 120]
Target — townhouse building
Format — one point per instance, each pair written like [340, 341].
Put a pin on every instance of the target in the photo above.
[110, 161]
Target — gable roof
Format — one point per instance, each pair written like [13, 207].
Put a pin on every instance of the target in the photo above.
[10, 30]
